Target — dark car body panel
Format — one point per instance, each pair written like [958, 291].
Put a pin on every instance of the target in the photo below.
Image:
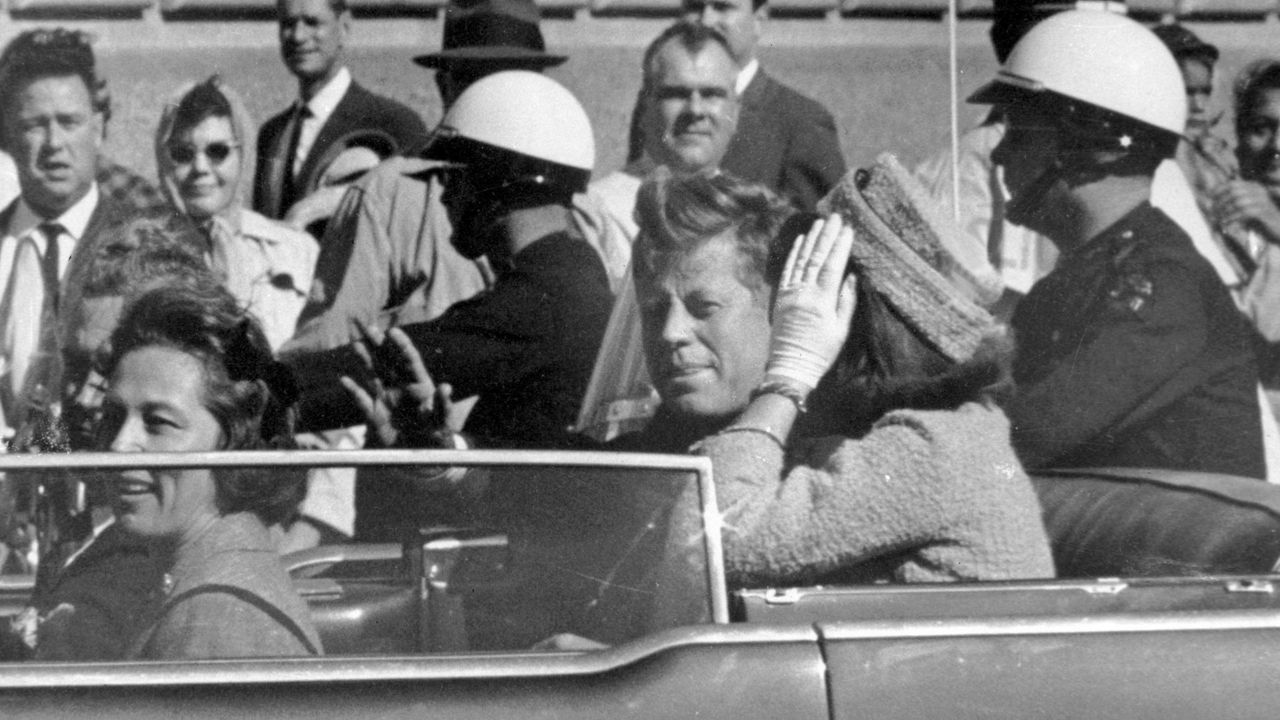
[697, 672]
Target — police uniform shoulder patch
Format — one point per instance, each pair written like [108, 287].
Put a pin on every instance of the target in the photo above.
[1130, 292]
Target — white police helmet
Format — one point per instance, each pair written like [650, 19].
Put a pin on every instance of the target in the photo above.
[521, 125]
[1109, 76]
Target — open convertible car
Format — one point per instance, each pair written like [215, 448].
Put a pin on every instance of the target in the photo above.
[591, 585]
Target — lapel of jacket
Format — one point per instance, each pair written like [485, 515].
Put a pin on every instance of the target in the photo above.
[107, 212]
[278, 163]
[755, 97]
[345, 115]
[752, 153]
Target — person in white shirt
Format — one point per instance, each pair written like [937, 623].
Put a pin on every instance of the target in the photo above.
[52, 116]
[331, 107]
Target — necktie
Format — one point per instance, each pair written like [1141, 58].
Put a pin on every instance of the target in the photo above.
[49, 261]
[292, 163]
[31, 327]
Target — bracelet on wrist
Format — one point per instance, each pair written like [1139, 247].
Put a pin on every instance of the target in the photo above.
[790, 391]
[766, 432]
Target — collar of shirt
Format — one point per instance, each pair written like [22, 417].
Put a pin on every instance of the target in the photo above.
[1110, 244]
[74, 222]
[323, 103]
[285, 253]
[746, 75]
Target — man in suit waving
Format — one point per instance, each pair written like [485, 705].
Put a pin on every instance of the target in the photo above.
[331, 108]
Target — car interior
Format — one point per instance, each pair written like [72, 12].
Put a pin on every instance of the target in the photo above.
[610, 548]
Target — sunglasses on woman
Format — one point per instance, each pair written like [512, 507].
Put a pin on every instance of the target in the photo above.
[217, 152]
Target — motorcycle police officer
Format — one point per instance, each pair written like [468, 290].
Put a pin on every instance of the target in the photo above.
[1131, 352]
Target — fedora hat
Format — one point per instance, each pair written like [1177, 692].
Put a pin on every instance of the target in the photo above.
[504, 31]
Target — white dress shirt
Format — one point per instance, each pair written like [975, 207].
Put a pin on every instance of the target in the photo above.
[25, 222]
[22, 295]
[745, 76]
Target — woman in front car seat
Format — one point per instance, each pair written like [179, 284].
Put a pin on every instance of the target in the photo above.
[189, 371]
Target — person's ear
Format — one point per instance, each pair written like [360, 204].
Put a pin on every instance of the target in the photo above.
[344, 26]
[758, 18]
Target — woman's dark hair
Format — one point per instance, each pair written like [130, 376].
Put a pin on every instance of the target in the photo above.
[249, 394]
[1257, 78]
[887, 364]
[203, 101]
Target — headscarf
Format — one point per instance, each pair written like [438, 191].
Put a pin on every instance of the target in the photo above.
[241, 127]
[225, 224]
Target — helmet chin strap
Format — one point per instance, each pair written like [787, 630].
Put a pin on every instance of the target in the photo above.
[1075, 168]
[1022, 208]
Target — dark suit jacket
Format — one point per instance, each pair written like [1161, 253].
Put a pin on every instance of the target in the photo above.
[784, 140]
[358, 110]
[113, 586]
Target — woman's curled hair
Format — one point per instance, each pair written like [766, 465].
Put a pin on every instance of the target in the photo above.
[249, 394]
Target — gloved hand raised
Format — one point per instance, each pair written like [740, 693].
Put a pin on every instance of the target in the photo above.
[814, 306]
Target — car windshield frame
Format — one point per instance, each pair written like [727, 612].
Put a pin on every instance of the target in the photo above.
[698, 469]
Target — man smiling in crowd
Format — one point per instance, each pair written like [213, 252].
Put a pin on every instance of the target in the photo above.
[331, 106]
[784, 140]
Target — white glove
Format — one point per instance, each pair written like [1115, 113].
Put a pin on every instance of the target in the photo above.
[814, 306]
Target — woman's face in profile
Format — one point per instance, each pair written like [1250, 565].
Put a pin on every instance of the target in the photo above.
[206, 166]
[155, 403]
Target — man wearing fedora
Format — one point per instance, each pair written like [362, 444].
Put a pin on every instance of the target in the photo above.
[331, 107]
[387, 257]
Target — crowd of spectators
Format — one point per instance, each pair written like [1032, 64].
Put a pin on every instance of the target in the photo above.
[871, 380]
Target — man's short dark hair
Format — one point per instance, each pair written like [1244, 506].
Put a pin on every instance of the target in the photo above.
[691, 36]
[56, 52]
